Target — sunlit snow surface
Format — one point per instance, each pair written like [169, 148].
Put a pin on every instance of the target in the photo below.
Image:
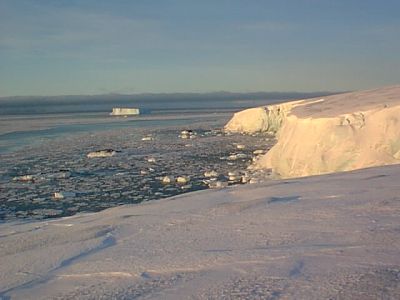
[325, 237]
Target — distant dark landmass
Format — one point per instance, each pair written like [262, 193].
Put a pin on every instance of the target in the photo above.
[22, 105]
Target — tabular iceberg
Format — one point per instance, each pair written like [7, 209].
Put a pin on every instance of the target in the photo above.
[118, 111]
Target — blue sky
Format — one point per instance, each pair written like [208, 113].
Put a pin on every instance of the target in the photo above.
[100, 46]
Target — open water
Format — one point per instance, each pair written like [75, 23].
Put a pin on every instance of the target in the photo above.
[43, 154]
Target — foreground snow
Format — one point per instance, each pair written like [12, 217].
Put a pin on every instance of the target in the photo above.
[332, 236]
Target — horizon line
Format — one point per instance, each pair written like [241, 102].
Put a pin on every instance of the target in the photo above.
[176, 93]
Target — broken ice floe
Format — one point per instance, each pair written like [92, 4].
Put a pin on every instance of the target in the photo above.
[31, 178]
[24, 178]
[217, 185]
[151, 159]
[211, 174]
[182, 179]
[187, 134]
[148, 138]
[102, 153]
[63, 195]
[167, 179]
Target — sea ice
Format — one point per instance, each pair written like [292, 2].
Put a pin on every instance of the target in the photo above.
[102, 153]
[63, 195]
[182, 179]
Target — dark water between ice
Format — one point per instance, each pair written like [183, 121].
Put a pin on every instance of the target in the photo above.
[52, 148]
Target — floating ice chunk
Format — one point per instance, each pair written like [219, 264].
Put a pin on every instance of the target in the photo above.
[151, 160]
[210, 174]
[217, 185]
[233, 173]
[167, 179]
[182, 179]
[24, 178]
[208, 181]
[187, 134]
[254, 180]
[147, 138]
[63, 195]
[245, 179]
[102, 153]
[237, 156]
[258, 152]
[234, 178]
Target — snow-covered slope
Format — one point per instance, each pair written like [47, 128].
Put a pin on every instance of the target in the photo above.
[328, 237]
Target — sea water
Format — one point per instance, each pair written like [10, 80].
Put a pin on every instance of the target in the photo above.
[45, 154]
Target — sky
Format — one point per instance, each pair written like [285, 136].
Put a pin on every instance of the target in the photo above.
[64, 47]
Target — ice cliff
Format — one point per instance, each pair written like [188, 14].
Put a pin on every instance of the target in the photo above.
[337, 133]
[260, 119]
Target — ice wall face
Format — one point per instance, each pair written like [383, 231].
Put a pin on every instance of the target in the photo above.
[260, 119]
[339, 133]
[343, 143]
